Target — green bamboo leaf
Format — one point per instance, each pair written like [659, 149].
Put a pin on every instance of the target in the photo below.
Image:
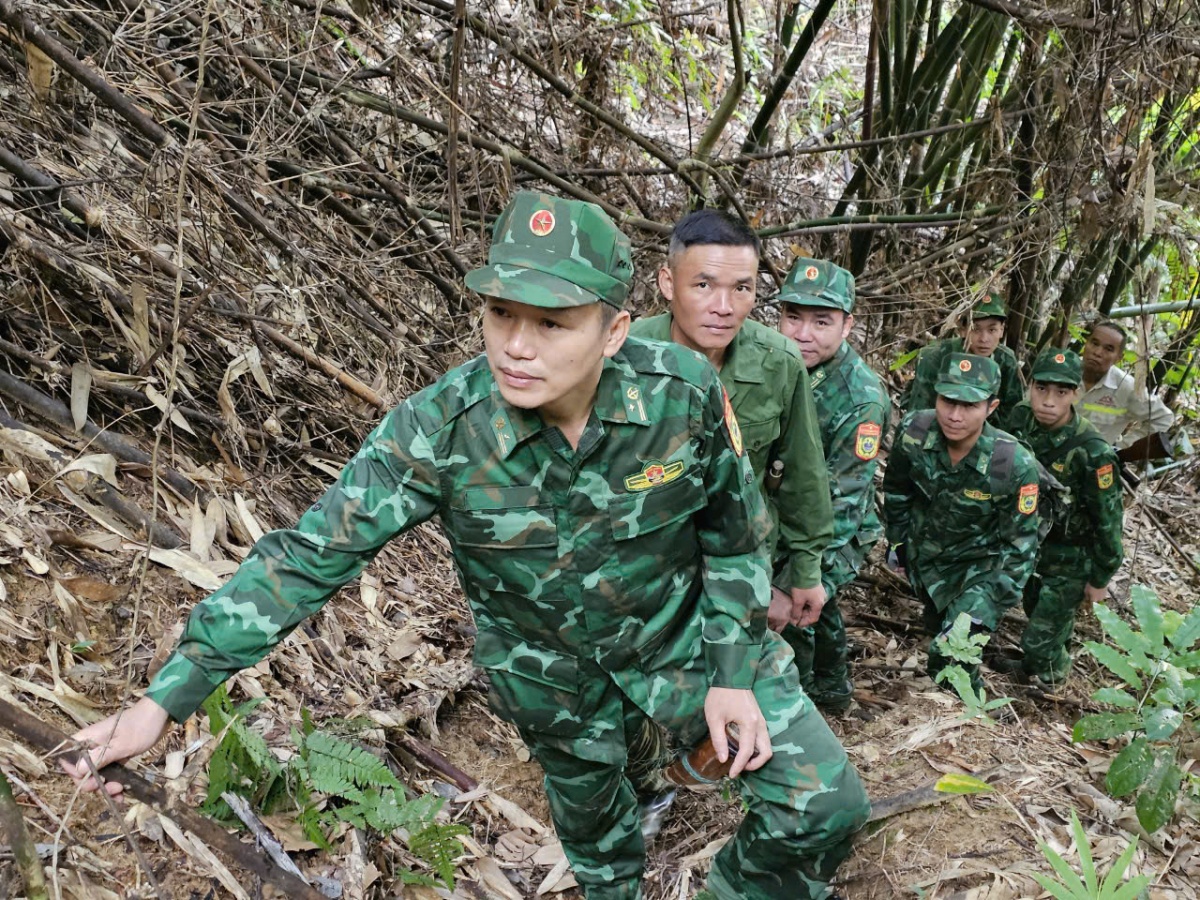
[904, 359]
[1066, 875]
[1187, 633]
[1156, 803]
[1130, 768]
[1133, 887]
[1115, 662]
[1162, 723]
[1119, 631]
[1087, 866]
[1149, 615]
[961, 783]
[1115, 697]
[1102, 726]
[1057, 890]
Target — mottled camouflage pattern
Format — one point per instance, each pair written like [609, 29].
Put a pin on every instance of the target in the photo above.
[551, 252]
[932, 362]
[592, 598]
[818, 282]
[1085, 547]
[992, 306]
[802, 807]
[769, 390]
[1058, 366]
[853, 411]
[968, 378]
[969, 550]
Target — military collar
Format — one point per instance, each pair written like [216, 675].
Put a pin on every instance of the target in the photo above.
[740, 366]
[821, 371]
[978, 457]
[619, 394]
[510, 425]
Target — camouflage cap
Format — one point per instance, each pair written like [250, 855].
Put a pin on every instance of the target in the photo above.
[990, 307]
[968, 378]
[1058, 366]
[555, 253]
[818, 282]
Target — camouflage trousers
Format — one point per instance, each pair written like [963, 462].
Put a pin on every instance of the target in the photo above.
[822, 658]
[802, 807]
[984, 618]
[1051, 600]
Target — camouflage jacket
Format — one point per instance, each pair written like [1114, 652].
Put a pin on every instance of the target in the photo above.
[1092, 529]
[641, 548]
[853, 410]
[962, 537]
[769, 389]
[921, 395]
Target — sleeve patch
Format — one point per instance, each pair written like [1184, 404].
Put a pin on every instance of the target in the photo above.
[866, 441]
[1104, 477]
[731, 425]
[1027, 499]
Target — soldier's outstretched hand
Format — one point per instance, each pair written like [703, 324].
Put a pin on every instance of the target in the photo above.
[807, 604]
[724, 707]
[115, 739]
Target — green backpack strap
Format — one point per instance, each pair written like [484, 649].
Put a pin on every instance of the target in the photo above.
[918, 428]
[1000, 471]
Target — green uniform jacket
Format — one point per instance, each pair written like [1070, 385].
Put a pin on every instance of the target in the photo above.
[635, 553]
[768, 386]
[962, 539]
[853, 411]
[1092, 530]
[931, 362]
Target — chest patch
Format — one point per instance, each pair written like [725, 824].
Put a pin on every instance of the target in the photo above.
[976, 495]
[653, 475]
[1104, 477]
[1027, 499]
[866, 441]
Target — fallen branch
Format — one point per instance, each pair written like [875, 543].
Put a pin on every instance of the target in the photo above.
[349, 382]
[51, 741]
[917, 798]
[24, 852]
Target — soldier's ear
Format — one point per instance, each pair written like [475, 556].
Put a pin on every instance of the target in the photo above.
[666, 282]
[615, 333]
[847, 324]
[992, 404]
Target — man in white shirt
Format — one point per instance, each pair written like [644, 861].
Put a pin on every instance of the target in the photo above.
[1110, 399]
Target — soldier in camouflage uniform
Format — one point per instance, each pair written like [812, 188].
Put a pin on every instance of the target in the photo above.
[609, 539]
[816, 303]
[1083, 550]
[982, 335]
[710, 278]
[963, 527]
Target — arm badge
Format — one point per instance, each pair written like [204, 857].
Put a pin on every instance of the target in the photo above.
[866, 441]
[1027, 499]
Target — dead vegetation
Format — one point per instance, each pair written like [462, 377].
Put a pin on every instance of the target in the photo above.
[231, 234]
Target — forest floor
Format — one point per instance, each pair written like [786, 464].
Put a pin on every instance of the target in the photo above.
[86, 616]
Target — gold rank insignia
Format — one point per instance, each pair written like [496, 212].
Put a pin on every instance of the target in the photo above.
[731, 423]
[654, 474]
[1104, 477]
[976, 495]
[1027, 499]
[866, 441]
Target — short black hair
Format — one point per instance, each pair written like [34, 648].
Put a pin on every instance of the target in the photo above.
[1112, 326]
[711, 226]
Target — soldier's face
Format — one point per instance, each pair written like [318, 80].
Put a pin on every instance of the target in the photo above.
[817, 331]
[984, 336]
[961, 421]
[1101, 352]
[711, 288]
[549, 359]
[1051, 403]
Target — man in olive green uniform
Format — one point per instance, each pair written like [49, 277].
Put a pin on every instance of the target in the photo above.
[815, 311]
[1083, 549]
[960, 504]
[982, 335]
[609, 538]
[710, 278]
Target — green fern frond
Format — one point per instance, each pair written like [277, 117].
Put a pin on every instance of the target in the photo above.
[438, 847]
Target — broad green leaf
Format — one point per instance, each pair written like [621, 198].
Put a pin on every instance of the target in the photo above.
[1130, 768]
[1187, 660]
[1058, 891]
[1188, 632]
[1119, 631]
[1102, 726]
[1113, 660]
[904, 359]
[960, 783]
[1149, 615]
[1162, 723]
[1156, 802]
[1115, 697]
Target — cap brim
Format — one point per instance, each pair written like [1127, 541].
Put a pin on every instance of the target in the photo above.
[810, 300]
[1055, 379]
[964, 392]
[522, 285]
